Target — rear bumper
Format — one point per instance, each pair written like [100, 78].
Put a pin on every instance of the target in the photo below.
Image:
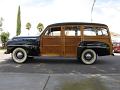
[113, 54]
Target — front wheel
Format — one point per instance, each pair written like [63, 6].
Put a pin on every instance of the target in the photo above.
[19, 55]
[88, 56]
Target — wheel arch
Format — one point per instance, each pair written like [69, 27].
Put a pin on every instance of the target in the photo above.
[26, 49]
[81, 49]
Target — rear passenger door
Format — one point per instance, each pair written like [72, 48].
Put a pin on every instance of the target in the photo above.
[72, 37]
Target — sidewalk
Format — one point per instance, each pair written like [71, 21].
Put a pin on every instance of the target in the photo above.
[21, 81]
[3, 56]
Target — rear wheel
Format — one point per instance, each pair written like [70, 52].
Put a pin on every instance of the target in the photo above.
[19, 55]
[88, 56]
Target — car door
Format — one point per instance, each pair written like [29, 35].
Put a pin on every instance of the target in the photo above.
[72, 39]
[51, 42]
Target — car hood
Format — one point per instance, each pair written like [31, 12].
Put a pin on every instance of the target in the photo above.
[24, 37]
[26, 40]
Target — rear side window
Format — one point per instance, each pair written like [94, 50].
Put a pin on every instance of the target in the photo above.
[102, 31]
[95, 31]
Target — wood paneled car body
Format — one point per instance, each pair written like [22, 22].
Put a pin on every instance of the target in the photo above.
[85, 41]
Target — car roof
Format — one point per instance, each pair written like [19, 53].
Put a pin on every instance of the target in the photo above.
[76, 23]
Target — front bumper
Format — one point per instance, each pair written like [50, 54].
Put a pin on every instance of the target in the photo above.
[6, 52]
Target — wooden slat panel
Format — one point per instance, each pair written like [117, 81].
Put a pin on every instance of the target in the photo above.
[51, 46]
[71, 43]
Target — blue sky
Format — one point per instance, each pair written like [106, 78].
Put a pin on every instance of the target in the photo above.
[54, 11]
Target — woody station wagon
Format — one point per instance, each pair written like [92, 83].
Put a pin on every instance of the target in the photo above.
[85, 41]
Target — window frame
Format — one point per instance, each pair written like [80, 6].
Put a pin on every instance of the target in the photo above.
[96, 30]
[49, 28]
[72, 29]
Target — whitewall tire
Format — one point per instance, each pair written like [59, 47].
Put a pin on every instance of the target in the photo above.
[19, 55]
[88, 56]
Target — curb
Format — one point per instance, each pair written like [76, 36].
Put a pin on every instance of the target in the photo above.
[2, 51]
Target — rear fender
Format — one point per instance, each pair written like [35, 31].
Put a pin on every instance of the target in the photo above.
[100, 48]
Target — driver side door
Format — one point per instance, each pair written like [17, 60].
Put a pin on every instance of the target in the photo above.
[51, 42]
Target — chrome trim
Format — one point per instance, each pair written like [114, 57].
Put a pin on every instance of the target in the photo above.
[94, 46]
[20, 45]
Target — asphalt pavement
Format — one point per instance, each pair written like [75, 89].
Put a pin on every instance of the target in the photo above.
[59, 74]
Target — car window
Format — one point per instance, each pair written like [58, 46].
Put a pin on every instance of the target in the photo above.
[94, 31]
[89, 31]
[102, 31]
[72, 31]
[55, 31]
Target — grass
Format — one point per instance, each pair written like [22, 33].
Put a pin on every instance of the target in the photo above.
[87, 84]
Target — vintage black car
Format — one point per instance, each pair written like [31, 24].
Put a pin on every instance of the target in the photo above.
[85, 41]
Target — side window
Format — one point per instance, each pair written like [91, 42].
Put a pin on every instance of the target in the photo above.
[72, 31]
[102, 31]
[89, 31]
[94, 31]
[99, 32]
[53, 31]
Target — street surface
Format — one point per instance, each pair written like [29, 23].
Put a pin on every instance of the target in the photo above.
[59, 74]
[104, 65]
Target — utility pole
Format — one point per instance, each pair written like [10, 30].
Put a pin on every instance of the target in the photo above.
[92, 10]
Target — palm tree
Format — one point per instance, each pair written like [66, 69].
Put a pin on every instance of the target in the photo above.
[1, 22]
[40, 27]
[28, 26]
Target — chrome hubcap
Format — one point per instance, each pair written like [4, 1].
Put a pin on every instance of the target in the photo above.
[19, 55]
[88, 56]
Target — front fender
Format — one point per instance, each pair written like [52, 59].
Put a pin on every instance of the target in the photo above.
[30, 49]
[30, 44]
